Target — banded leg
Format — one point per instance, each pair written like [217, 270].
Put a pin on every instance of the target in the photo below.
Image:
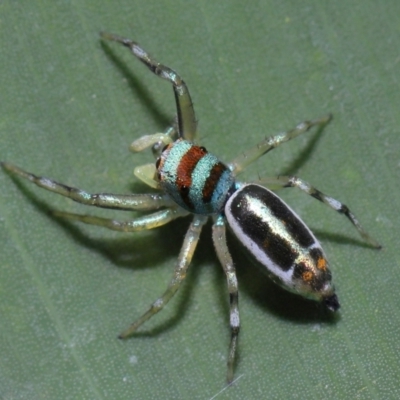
[219, 239]
[251, 155]
[143, 202]
[184, 259]
[150, 221]
[293, 181]
[186, 117]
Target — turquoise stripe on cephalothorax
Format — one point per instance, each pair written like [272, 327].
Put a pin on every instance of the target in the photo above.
[170, 160]
[211, 181]
[223, 187]
[194, 178]
[168, 171]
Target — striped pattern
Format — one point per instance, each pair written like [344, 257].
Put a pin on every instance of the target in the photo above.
[280, 241]
[194, 178]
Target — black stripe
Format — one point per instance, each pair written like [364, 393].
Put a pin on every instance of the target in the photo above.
[281, 251]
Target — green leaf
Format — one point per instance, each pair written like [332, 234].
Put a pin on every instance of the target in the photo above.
[70, 106]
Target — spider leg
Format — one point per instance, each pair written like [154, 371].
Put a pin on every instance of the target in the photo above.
[219, 239]
[251, 155]
[185, 113]
[293, 181]
[184, 259]
[146, 141]
[141, 202]
[150, 221]
[158, 141]
[171, 132]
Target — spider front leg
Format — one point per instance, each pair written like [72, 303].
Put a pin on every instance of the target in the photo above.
[187, 123]
[184, 259]
[219, 239]
[143, 202]
[293, 181]
[157, 141]
[171, 132]
[247, 157]
[146, 173]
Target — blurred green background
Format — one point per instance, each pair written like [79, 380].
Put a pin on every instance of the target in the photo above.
[70, 107]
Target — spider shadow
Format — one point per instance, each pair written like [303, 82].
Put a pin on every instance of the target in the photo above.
[137, 87]
[132, 253]
[341, 239]
[271, 297]
[128, 252]
[306, 152]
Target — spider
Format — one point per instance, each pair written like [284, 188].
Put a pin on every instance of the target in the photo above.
[193, 181]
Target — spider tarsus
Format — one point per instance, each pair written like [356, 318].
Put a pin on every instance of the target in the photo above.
[106, 35]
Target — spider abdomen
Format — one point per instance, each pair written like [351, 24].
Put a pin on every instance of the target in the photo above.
[196, 179]
[280, 242]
